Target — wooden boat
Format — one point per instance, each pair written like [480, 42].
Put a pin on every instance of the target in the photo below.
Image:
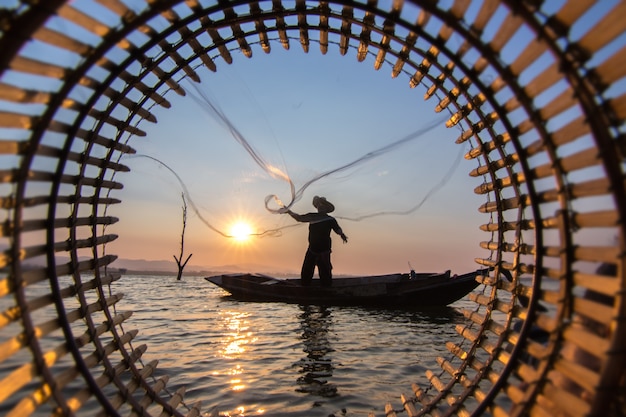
[401, 289]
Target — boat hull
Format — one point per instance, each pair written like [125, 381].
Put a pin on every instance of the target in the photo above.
[393, 290]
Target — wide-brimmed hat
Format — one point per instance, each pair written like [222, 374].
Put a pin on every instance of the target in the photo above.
[322, 205]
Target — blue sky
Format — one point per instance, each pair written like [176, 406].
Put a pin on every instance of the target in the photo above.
[306, 114]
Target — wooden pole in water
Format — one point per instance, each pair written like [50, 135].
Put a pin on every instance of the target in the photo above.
[181, 265]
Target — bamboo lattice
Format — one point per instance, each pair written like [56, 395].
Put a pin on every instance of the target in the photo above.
[545, 116]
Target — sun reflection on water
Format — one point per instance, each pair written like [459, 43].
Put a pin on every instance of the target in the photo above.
[236, 338]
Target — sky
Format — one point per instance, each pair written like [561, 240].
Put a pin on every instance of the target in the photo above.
[305, 114]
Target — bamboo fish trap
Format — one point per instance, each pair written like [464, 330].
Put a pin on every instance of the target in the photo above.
[538, 88]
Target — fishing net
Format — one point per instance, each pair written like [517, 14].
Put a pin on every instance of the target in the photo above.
[536, 87]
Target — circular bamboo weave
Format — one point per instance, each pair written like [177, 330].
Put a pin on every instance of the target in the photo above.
[538, 88]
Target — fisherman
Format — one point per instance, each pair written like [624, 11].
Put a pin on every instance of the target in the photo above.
[318, 252]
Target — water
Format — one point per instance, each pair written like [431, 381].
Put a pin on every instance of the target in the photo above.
[278, 359]
[275, 359]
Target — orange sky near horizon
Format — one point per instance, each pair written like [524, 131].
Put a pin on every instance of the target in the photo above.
[293, 126]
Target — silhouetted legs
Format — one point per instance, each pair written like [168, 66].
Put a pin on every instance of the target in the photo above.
[324, 268]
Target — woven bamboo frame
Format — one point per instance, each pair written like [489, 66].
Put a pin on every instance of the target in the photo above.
[541, 201]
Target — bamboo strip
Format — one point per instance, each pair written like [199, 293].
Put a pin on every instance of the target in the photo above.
[515, 179]
[118, 400]
[36, 67]
[404, 54]
[365, 35]
[507, 226]
[172, 53]
[281, 26]
[583, 376]
[176, 399]
[346, 29]
[388, 32]
[583, 189]
[474, 316]
[389, 411]
[120, 125]
[15, 94]
[52, 152]
[486, 147]
[447, 366]
[238, 34]
[523, 249]
[571, 404]
[583, 159]
[303, 25]
[504, 204]
[425, 399]
[131, 105]
[117, 7]
[559, 104]
[137, 84]
[9, 203]
[14, 344]
[528, 56]
[86, 22]
[61, 40]
[450, 398]
[473, 363]
[12, 147]
[14, 313]
[606, 30]
[600, 283]
[103, 380]
[496, 165]
[209, 26]
[507, 29]
[94, 358]
[17, 379]
[487, 9]
[586, 340]
[606, 218]
[618, 105]
[435, 381]
[596, 311]
[543, 81]
[34, 225]
[198, 50]
[609, 254]
[323, 26]
[164, 76]
[259, 25]
[496, 304]
[573, 10]
[570, 132]
[34, 275]
[89, 137]
[613, 68]
[408, 405]
[16, 120]
[196, 410]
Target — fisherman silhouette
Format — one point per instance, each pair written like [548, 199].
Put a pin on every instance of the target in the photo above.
[320, 243]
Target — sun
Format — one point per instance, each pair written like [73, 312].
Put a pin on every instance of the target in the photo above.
[241, 231]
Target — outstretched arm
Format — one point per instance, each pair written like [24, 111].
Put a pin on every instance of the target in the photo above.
[296, 216]
[340, 232]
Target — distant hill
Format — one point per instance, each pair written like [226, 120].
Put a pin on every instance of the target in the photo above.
[142, 265]
[161, 267]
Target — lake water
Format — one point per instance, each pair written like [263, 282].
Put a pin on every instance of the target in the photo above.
[275, 359]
